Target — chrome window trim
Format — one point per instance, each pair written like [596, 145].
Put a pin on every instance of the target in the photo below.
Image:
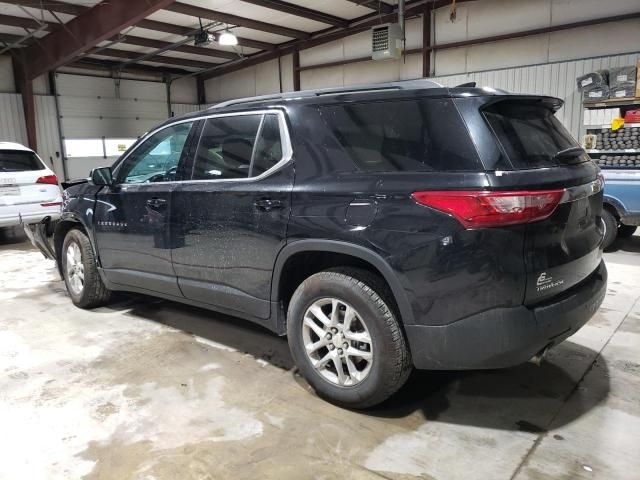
[285, 139]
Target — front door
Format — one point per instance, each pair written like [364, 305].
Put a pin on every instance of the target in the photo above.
[132, 226]
[231, 217]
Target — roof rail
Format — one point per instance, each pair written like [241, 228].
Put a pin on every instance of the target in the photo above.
[401, 85]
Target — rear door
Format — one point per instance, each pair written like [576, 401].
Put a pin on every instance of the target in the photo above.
[231, 217]
[565, 248]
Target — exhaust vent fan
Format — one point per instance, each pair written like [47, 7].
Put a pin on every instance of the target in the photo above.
[386, 41]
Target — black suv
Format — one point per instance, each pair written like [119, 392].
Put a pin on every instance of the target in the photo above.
[380, 228]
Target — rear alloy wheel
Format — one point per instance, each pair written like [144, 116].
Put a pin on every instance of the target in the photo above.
[337, 342]
[80, 271]
[345, 338]
[625, 231]
[610, 228]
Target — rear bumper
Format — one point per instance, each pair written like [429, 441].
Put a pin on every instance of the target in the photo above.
[28, 216]
[505, 337]
[41, 236]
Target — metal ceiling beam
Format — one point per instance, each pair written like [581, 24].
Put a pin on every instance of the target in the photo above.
[159, 44]
[85, 31]
[73, 9]
[374, 5]
[185, 62]
[200, 12]
[302, 12]
[100, 64]
[127, 39]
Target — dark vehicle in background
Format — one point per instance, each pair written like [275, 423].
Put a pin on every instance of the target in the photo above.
[380, 228]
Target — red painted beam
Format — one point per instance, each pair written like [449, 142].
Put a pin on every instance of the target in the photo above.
[300, 11]
[24, 86]
[426, 40]
[85, 31]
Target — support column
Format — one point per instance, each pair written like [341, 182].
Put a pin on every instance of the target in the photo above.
[201, 91]
[296, 70]
[25, 89]
[426, 40]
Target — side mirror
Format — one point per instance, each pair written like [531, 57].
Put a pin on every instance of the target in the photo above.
[102, 176]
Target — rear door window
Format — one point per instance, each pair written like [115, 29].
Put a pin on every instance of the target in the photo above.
[268, 150]
[403, 135]
[19, 161]
[530, 134]
[225, 147]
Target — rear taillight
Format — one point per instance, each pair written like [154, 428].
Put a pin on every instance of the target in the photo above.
[481, 209]
[48, 179]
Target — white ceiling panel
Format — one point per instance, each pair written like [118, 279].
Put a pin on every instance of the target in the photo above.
[16, 11]
[20, 32]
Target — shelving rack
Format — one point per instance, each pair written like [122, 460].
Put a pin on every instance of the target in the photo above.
[627, 158]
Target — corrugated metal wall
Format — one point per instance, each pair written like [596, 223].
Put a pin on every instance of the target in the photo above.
[555, 79]
[12, 126]
[183, 108]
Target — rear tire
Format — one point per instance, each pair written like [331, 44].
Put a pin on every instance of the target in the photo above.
[371, 350]
[80, 271]
[625, 231]
[610, 228]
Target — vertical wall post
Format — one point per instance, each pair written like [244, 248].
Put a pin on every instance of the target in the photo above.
[25, 88]
[201, 91]
[296, 70]
[426, 40]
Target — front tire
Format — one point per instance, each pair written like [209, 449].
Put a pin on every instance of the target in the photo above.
[80, 271]
[610, 228]
[345, 338]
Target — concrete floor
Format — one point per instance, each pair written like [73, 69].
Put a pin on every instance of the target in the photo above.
[149, 389]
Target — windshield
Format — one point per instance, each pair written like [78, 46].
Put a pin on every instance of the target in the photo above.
[19, 161]
[531, 135]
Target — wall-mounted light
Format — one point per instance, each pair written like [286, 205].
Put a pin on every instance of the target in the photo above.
[227, 38]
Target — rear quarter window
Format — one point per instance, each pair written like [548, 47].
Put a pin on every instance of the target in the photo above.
[19, 161]
[403, 135]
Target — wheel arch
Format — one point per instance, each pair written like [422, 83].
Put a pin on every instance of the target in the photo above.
[613, 205]
[362, 254]
[67, 223]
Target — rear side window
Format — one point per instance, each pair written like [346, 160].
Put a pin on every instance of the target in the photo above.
[403, 135]
[19, 161]
[530, 134]
[225, 147]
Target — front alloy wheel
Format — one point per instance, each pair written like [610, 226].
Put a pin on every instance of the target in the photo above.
[75, 268]
[337, 342]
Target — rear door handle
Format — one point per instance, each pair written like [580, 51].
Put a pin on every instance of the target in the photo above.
[156, 202]
[266, 204]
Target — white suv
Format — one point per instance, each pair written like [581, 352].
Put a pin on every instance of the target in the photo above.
[29, 190]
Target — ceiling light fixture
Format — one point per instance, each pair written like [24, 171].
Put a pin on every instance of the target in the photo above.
[227, 38]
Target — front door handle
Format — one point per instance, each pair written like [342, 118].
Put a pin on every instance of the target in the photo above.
[156, 202]
[266, 204]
